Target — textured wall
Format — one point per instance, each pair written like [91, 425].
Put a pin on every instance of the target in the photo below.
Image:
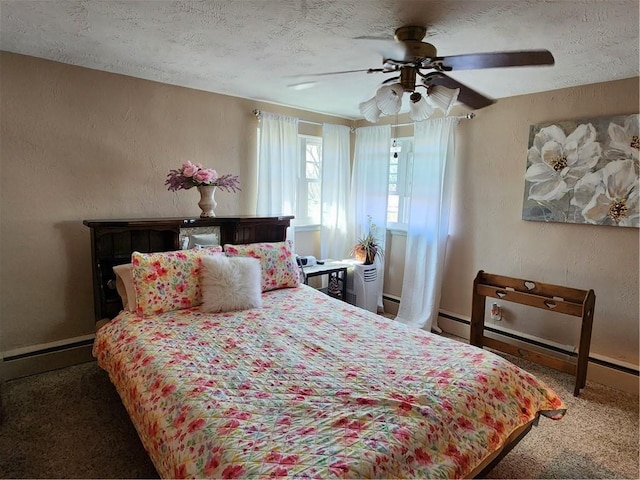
[79, 143]
[489, 234]
[83, 144]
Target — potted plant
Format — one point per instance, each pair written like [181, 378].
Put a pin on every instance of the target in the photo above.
[367, 248]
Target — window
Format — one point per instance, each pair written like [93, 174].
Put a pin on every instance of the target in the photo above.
[400, 165]
[308, 208]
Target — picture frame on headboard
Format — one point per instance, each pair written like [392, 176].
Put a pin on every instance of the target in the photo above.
[583, 171]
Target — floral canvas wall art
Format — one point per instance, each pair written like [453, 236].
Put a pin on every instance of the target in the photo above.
[584, 171]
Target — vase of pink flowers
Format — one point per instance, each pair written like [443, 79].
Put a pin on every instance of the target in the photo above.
[206, 180]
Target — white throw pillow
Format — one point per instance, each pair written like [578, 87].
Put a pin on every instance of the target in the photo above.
[230, 283]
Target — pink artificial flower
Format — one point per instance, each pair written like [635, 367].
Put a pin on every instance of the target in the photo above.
[192, 174]
[189, 169]
[205, 176]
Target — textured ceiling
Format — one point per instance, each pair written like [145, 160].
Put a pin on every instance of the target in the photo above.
[254, 48]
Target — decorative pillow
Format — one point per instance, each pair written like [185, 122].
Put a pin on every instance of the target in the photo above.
[124, 285]
[230, 283]
[168, 281]
[279, 267]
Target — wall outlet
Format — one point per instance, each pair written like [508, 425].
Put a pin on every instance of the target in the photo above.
[496, 312]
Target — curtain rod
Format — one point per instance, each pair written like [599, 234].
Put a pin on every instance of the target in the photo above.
[257, 113]
[468, 116]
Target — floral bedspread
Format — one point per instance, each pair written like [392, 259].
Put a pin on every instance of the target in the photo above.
[309, 386]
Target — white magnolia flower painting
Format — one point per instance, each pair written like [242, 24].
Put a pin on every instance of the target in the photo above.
[584, 172]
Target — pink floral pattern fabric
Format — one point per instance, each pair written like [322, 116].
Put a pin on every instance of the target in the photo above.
[168, 281]
[309, 386]
[279, 267]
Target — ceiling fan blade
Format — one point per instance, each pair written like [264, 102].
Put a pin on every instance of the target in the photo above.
[303, 85]
[324, 74]
[468, 96]
[495, 60]
[386, 38]
[387, 47]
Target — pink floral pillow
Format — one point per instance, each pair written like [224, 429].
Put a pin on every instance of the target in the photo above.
[168, 281]
[278, 264]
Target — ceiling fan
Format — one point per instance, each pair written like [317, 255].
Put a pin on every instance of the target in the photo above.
[418, 65]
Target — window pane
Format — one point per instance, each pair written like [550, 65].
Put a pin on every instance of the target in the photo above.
[313, 170]
[308, 202]
[400, 181]
[313, 151]
[392, 208]
[314, 202]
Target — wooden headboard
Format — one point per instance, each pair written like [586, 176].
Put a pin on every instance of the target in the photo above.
[113, 241]
[554, 298]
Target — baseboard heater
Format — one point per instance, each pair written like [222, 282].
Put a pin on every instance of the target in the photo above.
[45, 357]
[546, 346]
[44, 351]
[390, 298]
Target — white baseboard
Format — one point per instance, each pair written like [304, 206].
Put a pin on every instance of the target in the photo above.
[609, 376]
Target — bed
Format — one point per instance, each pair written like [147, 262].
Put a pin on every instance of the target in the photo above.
[306, 385]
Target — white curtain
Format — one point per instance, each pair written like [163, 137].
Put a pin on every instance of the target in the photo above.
[369, 188]
[334, 242]
[278, 163]
[428, 229]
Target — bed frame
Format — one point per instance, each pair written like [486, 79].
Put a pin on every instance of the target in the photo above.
[489, 464]
[570, 301]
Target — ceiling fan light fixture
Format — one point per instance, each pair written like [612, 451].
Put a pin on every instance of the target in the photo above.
[370, 110]
[389, 98]
[442, 97]
[419, 108]
[412, 60]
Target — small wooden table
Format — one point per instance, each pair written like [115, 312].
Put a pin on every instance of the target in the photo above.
[337, 272]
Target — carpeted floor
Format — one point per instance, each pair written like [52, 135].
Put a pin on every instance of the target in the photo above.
[597, 438]
[70, 423]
